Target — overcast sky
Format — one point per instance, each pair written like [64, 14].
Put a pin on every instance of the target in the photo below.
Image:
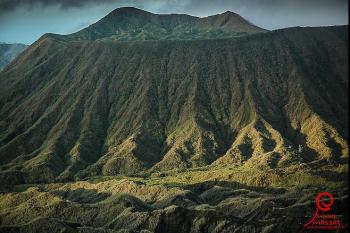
[24, 21]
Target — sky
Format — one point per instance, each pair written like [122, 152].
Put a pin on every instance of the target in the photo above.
[24, 21]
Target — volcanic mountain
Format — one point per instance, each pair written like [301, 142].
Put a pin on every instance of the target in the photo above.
[130, 24]
[139, 92]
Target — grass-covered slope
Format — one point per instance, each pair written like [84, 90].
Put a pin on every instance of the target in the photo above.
[83, 108]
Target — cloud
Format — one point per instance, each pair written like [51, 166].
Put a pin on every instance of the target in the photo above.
[79, 26]
[273, 14]
[175, 5]
[10, 5]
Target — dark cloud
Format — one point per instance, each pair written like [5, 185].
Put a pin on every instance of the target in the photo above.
[272, 14]
[10, 5]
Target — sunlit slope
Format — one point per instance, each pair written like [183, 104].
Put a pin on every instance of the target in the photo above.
[83, 108]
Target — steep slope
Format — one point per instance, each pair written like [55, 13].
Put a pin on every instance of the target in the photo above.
[81, 108]
[8, 52]
[130, 24]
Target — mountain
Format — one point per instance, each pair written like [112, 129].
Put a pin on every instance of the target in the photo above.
[8, 52]
[129, 24]
[173, 123]
[82, 108]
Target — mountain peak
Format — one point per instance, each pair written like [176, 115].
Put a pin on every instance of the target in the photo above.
[128, 10]
[229, 13]
[231, 21]
[130, 24]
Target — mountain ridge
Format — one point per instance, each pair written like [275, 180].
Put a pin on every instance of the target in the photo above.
[129, 23]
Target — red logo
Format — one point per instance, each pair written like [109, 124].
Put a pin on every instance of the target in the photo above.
[322, 219]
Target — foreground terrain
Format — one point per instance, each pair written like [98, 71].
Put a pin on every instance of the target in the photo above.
[207, 199]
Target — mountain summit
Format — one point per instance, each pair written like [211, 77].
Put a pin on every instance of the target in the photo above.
[125, 24]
